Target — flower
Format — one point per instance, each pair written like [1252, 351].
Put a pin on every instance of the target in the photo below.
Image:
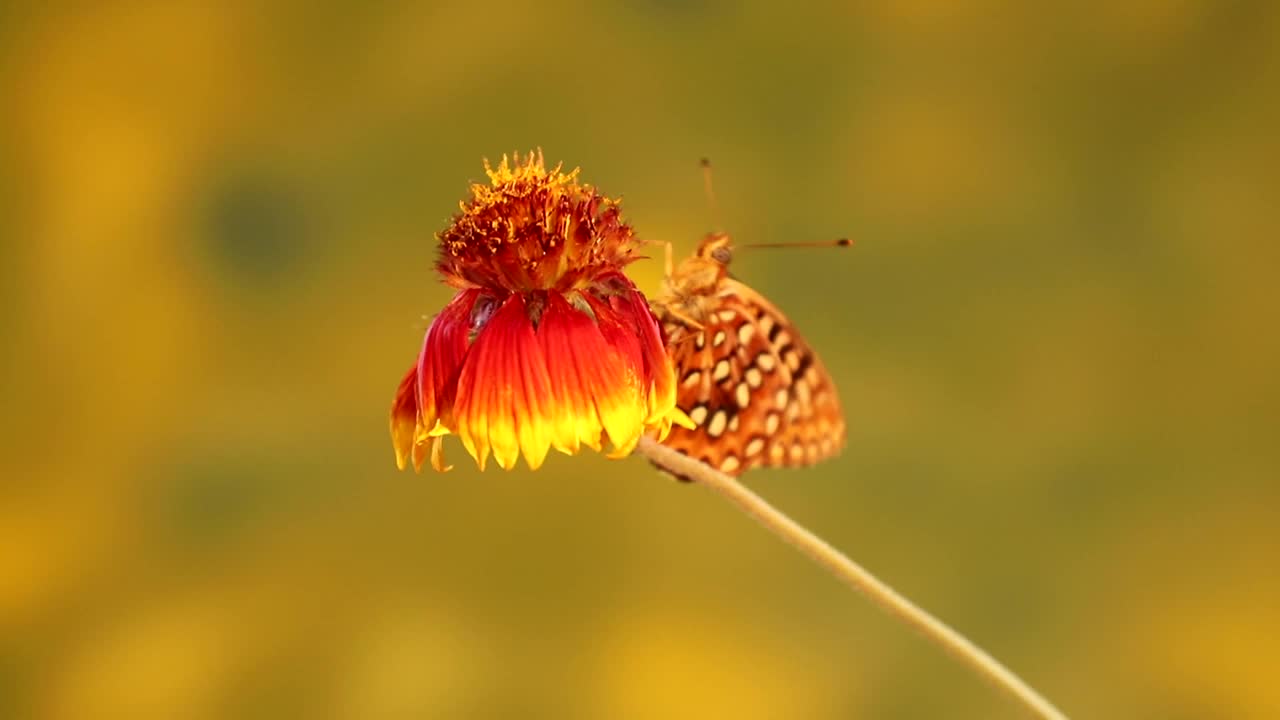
[546, 344]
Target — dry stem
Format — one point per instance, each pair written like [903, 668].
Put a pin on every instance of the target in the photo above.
[853, 575]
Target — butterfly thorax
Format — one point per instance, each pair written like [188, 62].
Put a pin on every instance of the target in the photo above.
[691, 290]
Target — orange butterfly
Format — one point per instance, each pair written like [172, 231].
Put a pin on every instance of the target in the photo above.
[755, 390]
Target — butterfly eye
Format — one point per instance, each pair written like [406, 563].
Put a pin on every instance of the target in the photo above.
[722, 255]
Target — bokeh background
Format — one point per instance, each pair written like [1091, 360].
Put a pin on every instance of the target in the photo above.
[1055, 339]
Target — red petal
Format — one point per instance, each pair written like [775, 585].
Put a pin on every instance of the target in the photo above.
[443, 350]
[660, 378]
[619, 331]
[608, 358]
[504, 397]
[404, 416]
[570, 342]
[629, 315]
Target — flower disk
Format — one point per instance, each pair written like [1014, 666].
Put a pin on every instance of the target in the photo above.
[547, 344]
[533, 229]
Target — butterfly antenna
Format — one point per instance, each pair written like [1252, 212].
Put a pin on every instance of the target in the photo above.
[711, 195]
[840, 242]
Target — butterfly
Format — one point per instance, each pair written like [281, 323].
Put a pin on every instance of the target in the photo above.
[756, 392]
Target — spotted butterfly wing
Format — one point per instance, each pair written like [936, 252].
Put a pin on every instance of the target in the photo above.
[756, 392]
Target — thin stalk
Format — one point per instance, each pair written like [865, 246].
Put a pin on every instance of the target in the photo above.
[854, 575]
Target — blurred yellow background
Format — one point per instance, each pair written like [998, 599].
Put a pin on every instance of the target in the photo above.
[1055, 339]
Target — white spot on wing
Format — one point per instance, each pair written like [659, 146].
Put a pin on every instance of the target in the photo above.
[718, 422]
[721, 370]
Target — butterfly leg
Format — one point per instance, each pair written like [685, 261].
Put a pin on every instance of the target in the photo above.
[685, 318]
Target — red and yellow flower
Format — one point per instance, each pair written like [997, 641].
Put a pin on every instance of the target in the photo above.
[546, 344]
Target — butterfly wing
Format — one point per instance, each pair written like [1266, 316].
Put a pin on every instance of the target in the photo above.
[756, 391]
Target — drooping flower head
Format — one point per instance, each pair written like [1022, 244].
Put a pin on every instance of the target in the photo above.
[547, 344]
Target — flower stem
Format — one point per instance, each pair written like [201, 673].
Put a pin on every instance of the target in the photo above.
[853, 575]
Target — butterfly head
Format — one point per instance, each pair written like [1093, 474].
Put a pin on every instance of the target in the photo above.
[701, 273]
[716, 248]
